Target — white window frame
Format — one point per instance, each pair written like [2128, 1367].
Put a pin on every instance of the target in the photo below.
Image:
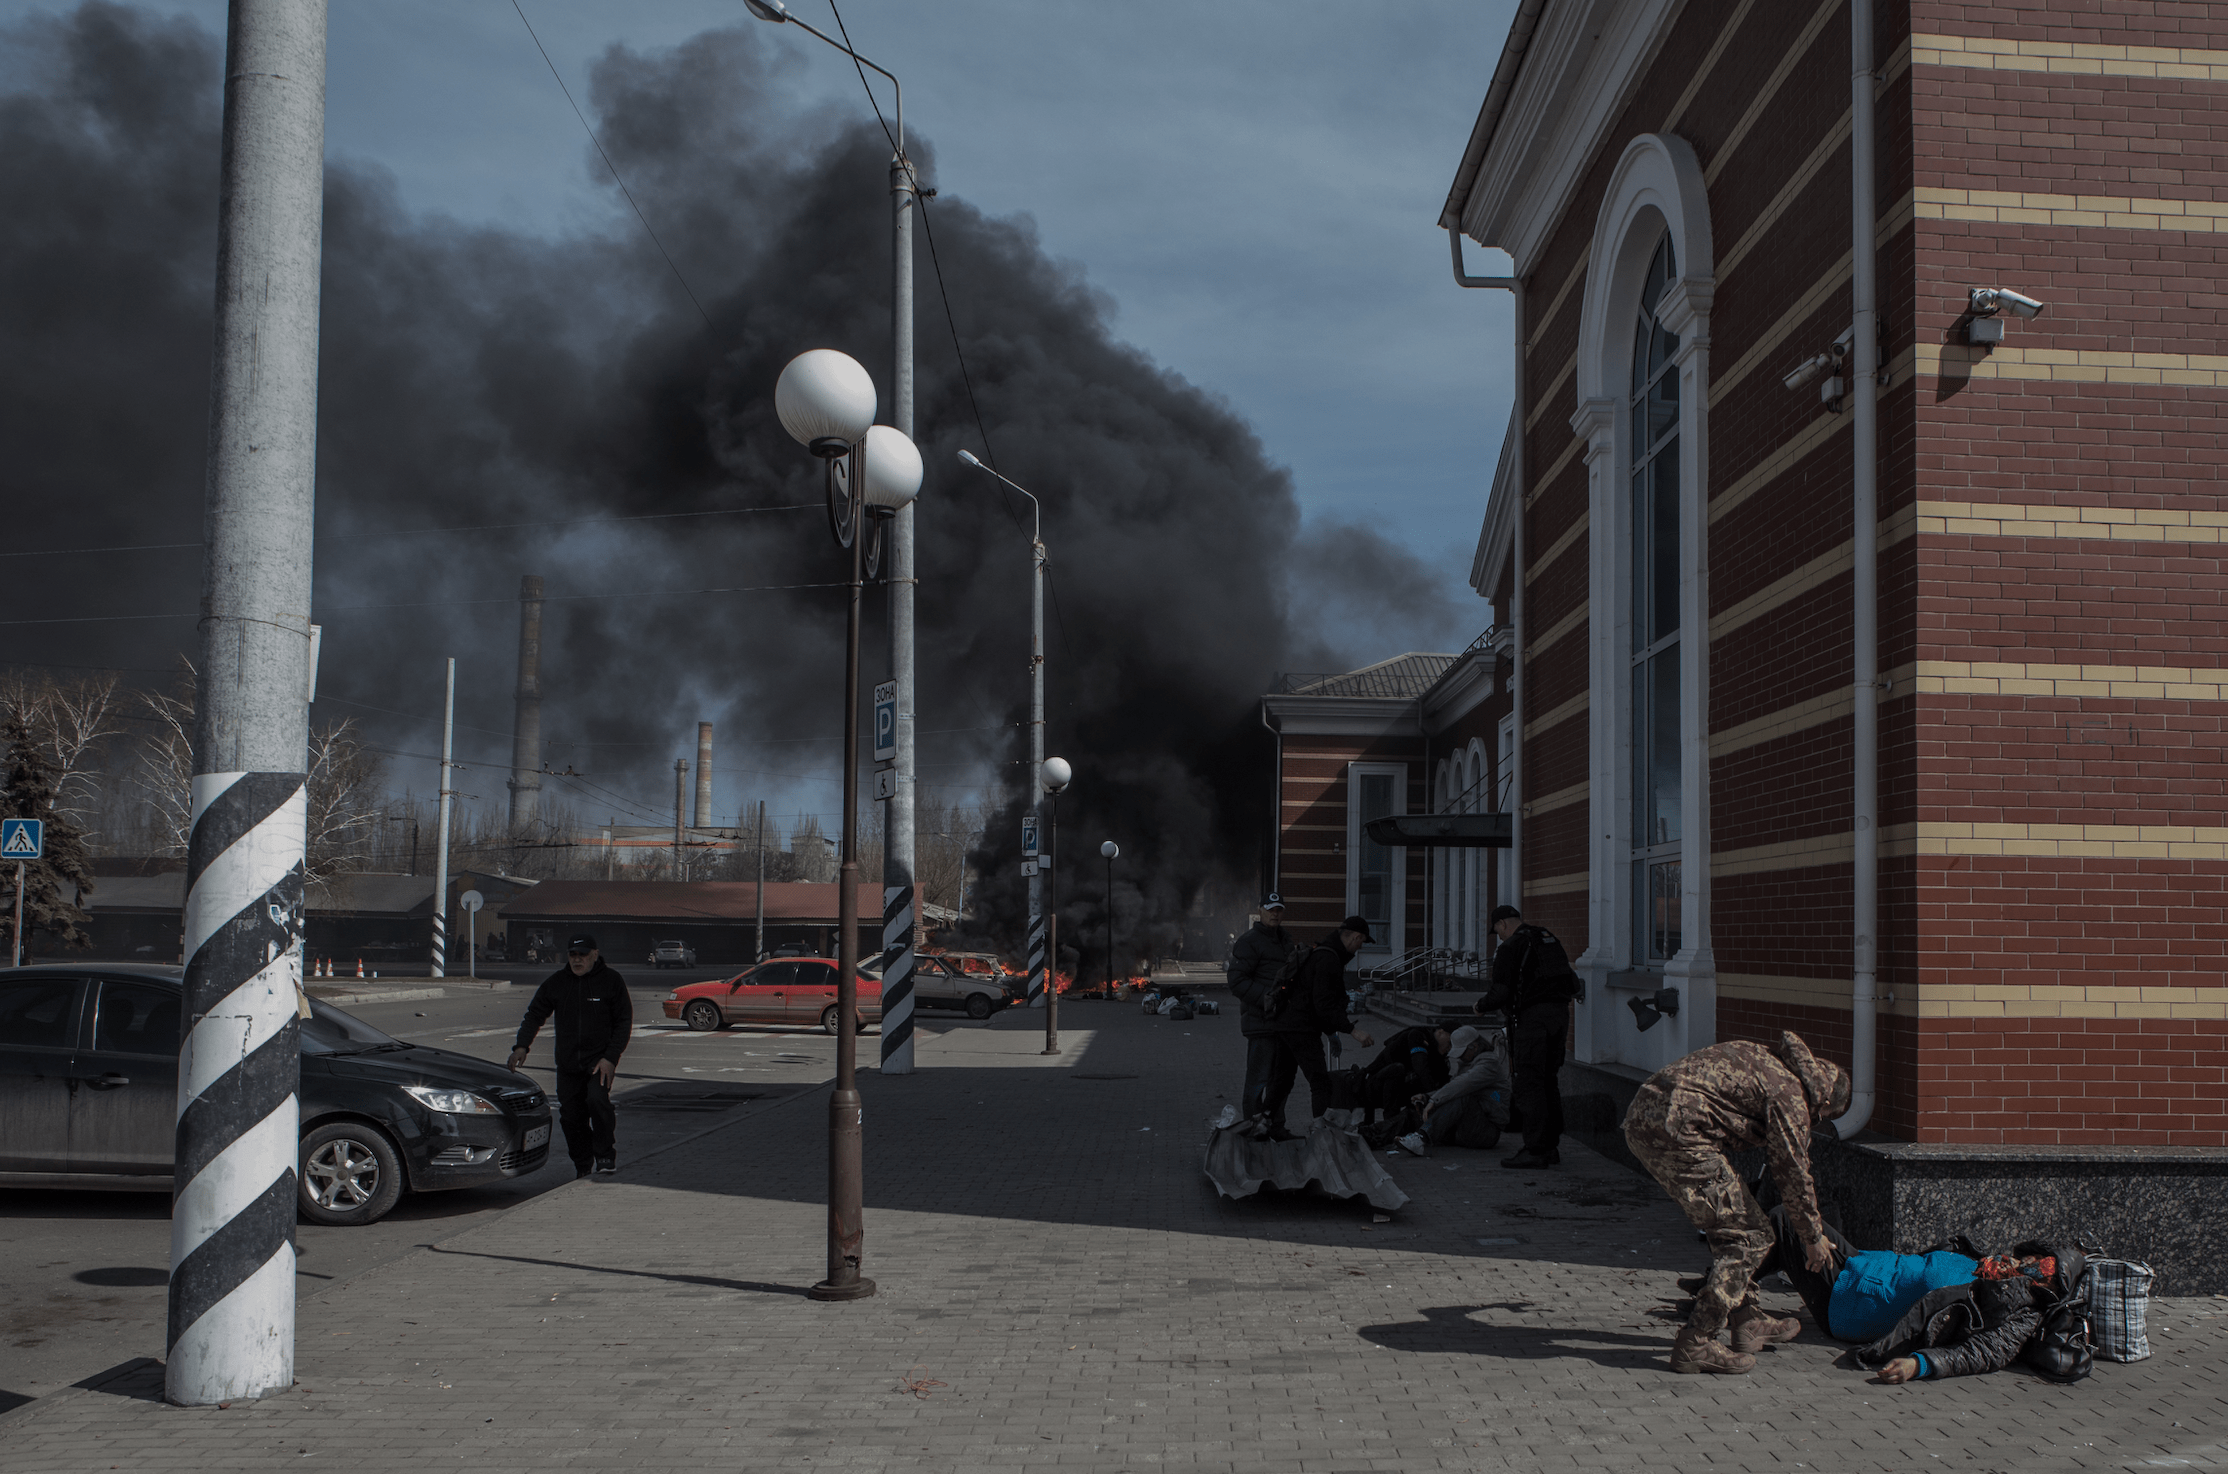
[1394, 941]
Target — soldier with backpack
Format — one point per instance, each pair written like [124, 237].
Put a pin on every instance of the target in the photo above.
[1534, 983]
[1307, 1004]
[1255, 961]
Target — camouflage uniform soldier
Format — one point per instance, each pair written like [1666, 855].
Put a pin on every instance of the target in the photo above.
[1685, 1119]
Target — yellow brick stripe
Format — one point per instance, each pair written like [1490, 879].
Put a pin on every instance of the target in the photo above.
[1559, 715]
[1557, 548]
[2073, 366]
[1560, 628]
[1557, 885]
[2109, 212]
[1977, 1001]
[2114, 682]
[1561, 798]
[2070, 58]
[2064, 841]
[2115, 524]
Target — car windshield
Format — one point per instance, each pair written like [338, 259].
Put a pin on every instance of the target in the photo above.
[327, 1030]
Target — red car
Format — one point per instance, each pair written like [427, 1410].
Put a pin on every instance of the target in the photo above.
[788, 990]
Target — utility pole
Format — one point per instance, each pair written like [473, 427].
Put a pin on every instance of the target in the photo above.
[231, 1304]
[900, 896]
[760, 832]
[1040, 872]
[610, 825]
[441, 832]
[680, 796]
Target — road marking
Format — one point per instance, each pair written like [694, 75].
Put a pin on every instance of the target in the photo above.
[478, 1033]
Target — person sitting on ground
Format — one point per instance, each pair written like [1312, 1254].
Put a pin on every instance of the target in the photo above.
[1413, 1062]
[1860, 1294]
[1983, 1326]
[1470, 1109]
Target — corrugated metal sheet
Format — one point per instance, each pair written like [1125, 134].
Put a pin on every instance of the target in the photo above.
[1404, 677]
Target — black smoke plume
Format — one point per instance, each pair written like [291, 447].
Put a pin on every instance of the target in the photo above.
[473, 375]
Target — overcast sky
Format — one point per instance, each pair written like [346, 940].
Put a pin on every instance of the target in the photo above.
[1254, 185]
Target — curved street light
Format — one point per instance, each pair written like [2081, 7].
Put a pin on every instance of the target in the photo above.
[826, 402]
[1110, 850]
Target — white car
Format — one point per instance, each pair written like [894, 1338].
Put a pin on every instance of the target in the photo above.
[938, 984]
[672, 954]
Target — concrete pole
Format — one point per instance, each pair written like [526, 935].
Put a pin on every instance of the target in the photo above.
[700, 812]
[231, 1311]
[1039, 975]
[899, 813]
[680, 797]
[760, 833]
[441, 832]
[526, 728]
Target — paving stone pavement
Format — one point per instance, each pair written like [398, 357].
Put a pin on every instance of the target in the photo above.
[1059, 1287]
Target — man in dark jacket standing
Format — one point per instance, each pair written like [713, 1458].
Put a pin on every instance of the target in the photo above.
[1315, 1007]
[595, 1018]
[1255, 960]
[1533, 982]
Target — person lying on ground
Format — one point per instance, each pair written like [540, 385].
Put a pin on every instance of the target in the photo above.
[1413, 1062]
[1965, 1330]
[1861, 1293]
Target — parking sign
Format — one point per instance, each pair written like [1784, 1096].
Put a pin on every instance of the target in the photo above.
[885, 722]
[22, 839]
[1028, 837]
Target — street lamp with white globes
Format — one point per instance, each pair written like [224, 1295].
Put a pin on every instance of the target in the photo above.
[1110, 850]
[826, 402]
[1054, 775]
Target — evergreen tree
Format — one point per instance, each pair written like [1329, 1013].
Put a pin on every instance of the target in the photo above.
[63, 872]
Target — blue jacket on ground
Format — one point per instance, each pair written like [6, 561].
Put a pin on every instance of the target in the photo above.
[1878, 1285]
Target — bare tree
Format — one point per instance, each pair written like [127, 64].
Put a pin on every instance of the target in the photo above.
[70, 722]
[345, 792]
[163, 771]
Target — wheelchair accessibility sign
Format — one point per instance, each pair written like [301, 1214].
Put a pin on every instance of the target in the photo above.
[22, 839]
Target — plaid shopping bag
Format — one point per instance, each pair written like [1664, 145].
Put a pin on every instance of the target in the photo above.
[2119, 1297]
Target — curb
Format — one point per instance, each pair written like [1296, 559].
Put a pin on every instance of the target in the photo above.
[375, 995]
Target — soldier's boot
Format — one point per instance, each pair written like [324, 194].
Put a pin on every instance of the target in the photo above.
[1753, 1330]
[1693, 1353]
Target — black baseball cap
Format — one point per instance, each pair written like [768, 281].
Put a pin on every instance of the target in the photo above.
[1272, 902]
[1357, 923]
[1504, 913]
[581, 943]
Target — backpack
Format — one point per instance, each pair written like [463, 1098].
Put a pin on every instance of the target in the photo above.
[2060, 1351]
[1287, 983]
[1548, 969]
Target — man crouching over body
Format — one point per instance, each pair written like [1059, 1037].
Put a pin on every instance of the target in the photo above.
[1683, 1121]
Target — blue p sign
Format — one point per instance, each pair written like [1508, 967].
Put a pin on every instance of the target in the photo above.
[885, 722]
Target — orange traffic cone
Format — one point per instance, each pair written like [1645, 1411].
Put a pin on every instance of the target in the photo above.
[359, 967]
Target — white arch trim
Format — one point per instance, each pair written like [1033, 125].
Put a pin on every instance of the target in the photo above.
[1659, 176]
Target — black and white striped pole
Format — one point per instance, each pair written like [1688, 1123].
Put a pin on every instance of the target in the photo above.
[231, 1332]
[441, 831]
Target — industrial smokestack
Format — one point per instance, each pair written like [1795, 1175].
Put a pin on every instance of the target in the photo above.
[701, 816]
[526, 732]
[680, 797]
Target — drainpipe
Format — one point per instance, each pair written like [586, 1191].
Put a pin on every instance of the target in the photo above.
[1865, 745]
[1514, 286]
[1276, 809]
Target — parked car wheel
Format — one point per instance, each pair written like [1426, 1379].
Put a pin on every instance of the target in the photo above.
[978, 1006]
[702, 1016]
[351, 1175]
[828, 1022]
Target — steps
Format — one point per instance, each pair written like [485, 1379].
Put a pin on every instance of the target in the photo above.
[1407, 1010]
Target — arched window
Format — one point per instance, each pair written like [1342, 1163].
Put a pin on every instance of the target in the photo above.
[1654, 590]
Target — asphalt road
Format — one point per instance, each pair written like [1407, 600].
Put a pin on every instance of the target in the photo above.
[83, 1275]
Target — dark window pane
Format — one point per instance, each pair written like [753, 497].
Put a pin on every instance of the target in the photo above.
[1376, 801]
[138, 1018]
[328, 1030]
[37, 1013]
[1664, 538]
[1656, 277]
[1663, 721]
[1641, 801]
[1663, 405]
[1663, 911]
[1640, 355]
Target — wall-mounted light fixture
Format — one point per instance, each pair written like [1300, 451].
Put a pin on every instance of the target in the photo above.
[1663, 1003]
[1986, 306]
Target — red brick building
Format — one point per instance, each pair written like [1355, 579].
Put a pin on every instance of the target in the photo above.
[1678, 187]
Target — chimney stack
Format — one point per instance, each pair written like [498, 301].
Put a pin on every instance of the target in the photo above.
[701, 816]
[526, 731]
[680, 797]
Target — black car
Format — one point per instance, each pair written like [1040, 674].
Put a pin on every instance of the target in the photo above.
[89, 1092]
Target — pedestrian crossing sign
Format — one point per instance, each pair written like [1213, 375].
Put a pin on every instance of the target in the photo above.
[22, 839]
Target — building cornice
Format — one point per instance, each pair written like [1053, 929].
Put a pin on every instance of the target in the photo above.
[1580, 66]
[1497, 536]
[1467, 683]
[1342, 716]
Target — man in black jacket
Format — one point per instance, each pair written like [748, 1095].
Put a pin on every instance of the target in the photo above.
[1315, 1006]
[1535, 985]
[595, 1018]
[1255, 960]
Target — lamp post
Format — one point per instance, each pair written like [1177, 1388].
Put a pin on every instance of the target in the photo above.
[1055, 775]
[1040, 970]
[1110, 850]
[826, 402]
[900, 898]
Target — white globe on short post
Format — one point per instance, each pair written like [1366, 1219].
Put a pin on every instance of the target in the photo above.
[1109, 850]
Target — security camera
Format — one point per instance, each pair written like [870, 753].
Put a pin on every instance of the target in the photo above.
[1810, 368]
[1988, 301]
